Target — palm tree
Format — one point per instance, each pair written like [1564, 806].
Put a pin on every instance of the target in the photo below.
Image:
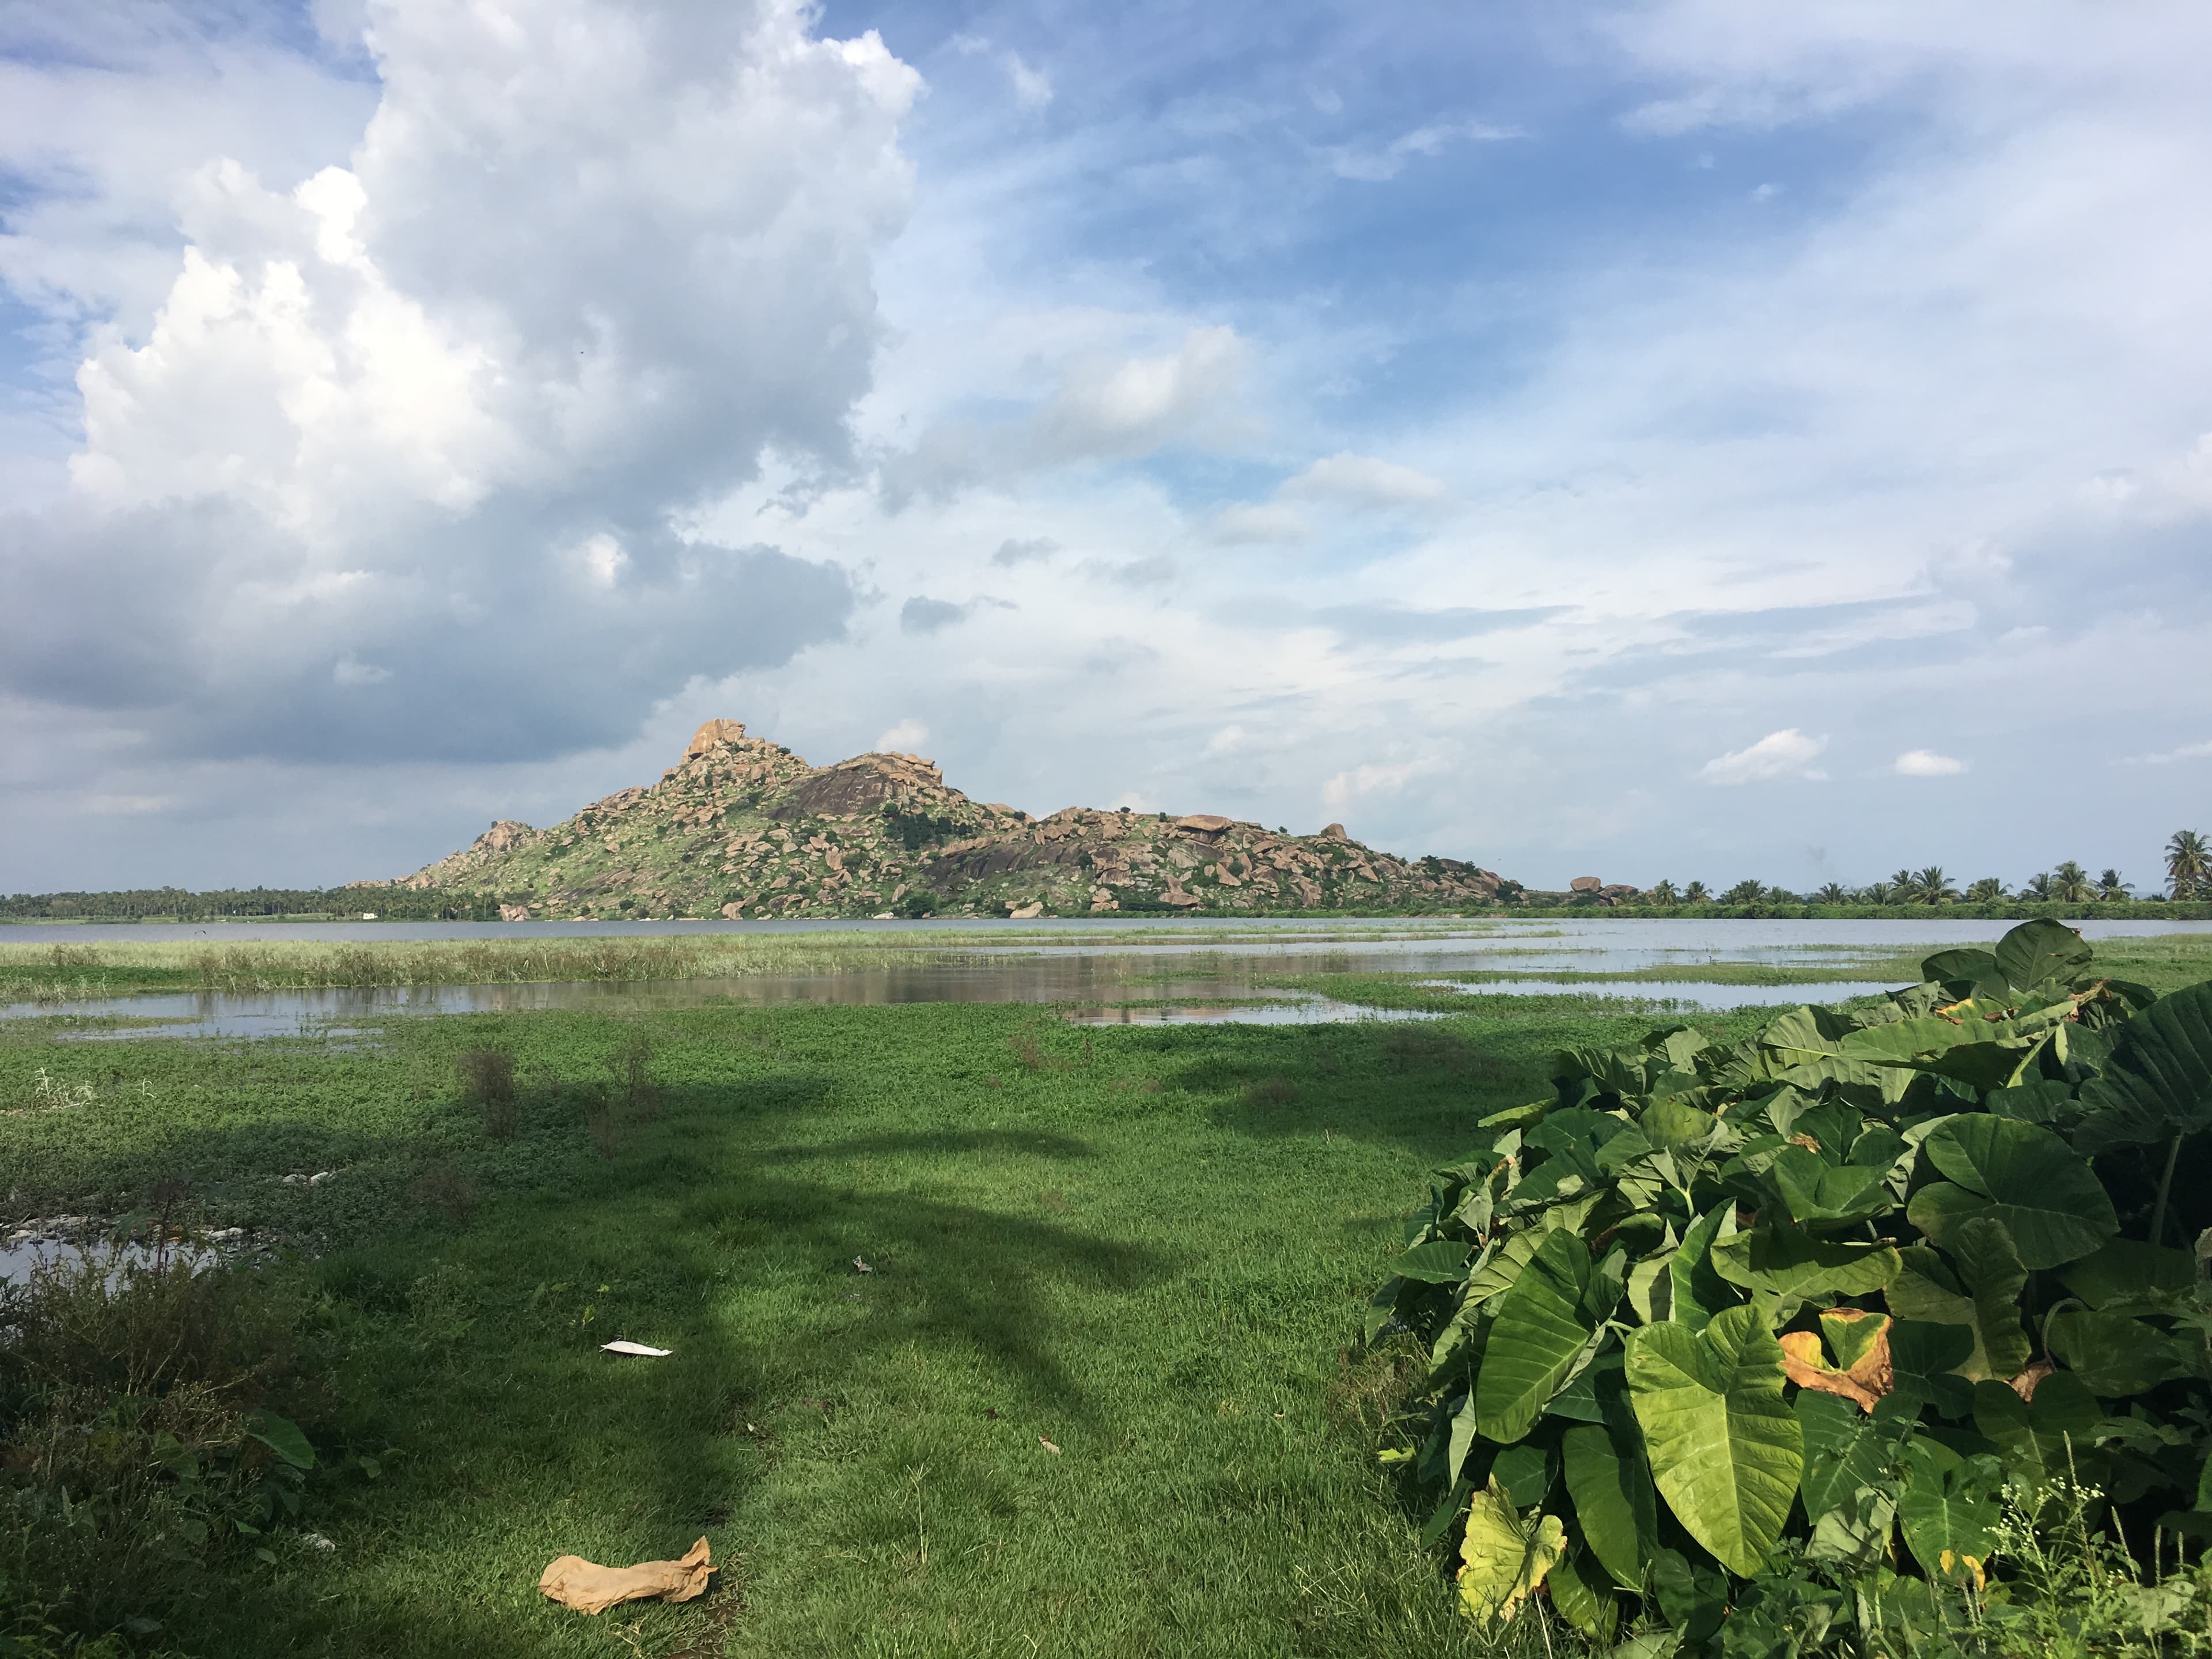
[1663, 892]
[1988, 891]
[1904, 888]
[1876, 892]
[1831, 893]
[2188, 864]
[2039, 887]
[2110, 886]
[1931, 886]
[2069, 884]
[1695, 893]
[1745, 892]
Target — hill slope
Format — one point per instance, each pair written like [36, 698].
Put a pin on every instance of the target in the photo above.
[742, 827]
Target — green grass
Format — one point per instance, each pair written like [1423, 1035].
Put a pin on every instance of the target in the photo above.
[1148, 1246]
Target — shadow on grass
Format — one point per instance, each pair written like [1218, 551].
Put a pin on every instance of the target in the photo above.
[475, 1352]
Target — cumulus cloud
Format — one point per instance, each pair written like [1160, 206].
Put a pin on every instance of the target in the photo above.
[1367, 479]
[1032, 86]
[922, 615]
[432, 415]
[1785, 754]
[1260, 524]
[1104, 407]
[1024, 551]
[904, 738]
[2187, 751]
[1927, 764]
[1349, 786]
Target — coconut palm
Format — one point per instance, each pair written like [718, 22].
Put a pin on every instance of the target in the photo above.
[1663, 892]
[1745, 892]
[1695, 893]
[1988, 891]
[2110, 886]
[1878, 892]
[2039, 887]
[2071, 884]
[2188, 864]
[1904, 887]
[1831, 893]
[1931, 886]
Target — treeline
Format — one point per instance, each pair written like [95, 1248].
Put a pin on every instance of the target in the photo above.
[254, 903]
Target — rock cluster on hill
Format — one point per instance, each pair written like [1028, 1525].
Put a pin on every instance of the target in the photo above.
[742, 827]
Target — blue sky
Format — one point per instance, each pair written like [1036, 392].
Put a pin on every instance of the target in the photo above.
[1691, 438]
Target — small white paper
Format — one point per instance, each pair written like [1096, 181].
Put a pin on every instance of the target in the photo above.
[637, 1348]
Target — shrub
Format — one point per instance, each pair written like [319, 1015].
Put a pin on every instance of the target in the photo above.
[630, 1069]
[1756, 1341]
[487, 1080]
[446, 1192]
[137, 1438]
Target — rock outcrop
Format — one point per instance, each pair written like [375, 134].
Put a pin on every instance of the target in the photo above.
[742, 827]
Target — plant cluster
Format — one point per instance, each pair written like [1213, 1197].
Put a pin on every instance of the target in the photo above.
[2188, 877]
[1749, 1343]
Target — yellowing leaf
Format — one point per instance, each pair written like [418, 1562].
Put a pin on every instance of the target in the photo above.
[1861, 1339]
[1505, 1557]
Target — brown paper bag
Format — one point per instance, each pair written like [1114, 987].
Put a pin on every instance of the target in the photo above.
[589, 1588]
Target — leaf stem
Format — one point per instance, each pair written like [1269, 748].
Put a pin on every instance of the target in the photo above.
[2165, 1185]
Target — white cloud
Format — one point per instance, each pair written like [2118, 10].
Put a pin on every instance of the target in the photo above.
[1927, 764]
[1364, 478]
[1376, 166]
[1032, 86]
[1226, 741]
[904, 738]
[1258, 524]
[1347, 787]
[1785, 754]
[2187, 751]
[347, 671]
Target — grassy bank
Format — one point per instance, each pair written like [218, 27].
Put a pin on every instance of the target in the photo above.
[1147, 1246]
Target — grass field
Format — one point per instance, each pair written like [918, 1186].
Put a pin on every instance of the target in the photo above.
[1148, 1247]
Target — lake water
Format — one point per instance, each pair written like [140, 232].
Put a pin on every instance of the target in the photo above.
[1150, 971]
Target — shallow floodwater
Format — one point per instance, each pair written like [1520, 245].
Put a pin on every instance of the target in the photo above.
[1145, 970]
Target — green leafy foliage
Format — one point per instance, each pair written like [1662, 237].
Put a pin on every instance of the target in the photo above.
[1771, 1331]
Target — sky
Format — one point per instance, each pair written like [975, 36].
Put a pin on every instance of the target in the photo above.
[1693, 438]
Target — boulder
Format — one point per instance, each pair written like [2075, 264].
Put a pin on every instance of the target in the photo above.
[1028, 912]
[1334, 832]
[1205, 823]
[1586, 884]
[714, 734]
[515, 913]
[503, 837]
[732, 912]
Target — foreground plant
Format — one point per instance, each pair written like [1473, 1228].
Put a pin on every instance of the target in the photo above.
[1756, 1337]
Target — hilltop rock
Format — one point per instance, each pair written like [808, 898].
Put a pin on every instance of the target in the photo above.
[1585, 884]
[742, 827]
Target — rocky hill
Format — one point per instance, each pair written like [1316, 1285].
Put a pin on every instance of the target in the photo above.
[742, 827]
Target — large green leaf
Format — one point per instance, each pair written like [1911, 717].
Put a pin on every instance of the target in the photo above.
[2043, 1439]
[2049, 1200]
[2160, 1079]
[1610, 1481]
[1504, 1556]
[1439, 1261]
[1924, 1358]
[1726, 1451]
[1989, 1263]
[1697, 1291]
[1844, 1451]
[1581, 1596]
[1543, 1325]
[1790, 1261]
[281, 1436]
[2129, 1270]
[1948, 1512]
[2114, 1355]
[1821, 1195]
[2041, 953]
[1969, 967]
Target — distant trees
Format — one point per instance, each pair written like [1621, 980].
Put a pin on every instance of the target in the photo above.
[2111, 887]
[1663, 892]
[1988, 891]
[2070, 884]
[1831, 893]
[1745, 892]
[2188, 865]
[1695, 893]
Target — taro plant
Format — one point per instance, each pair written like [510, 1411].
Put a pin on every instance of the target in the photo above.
[1725, 1338]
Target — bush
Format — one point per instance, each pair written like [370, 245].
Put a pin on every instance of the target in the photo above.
[1761, 1344]
[487, 1080]
[137, 1438]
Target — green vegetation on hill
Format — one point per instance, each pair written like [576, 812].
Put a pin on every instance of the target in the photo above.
[742, 827]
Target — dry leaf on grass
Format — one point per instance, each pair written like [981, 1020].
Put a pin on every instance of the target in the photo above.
[1048, 1445]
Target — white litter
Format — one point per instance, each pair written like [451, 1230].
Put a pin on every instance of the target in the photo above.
[862, 1266]
[637, 1348]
